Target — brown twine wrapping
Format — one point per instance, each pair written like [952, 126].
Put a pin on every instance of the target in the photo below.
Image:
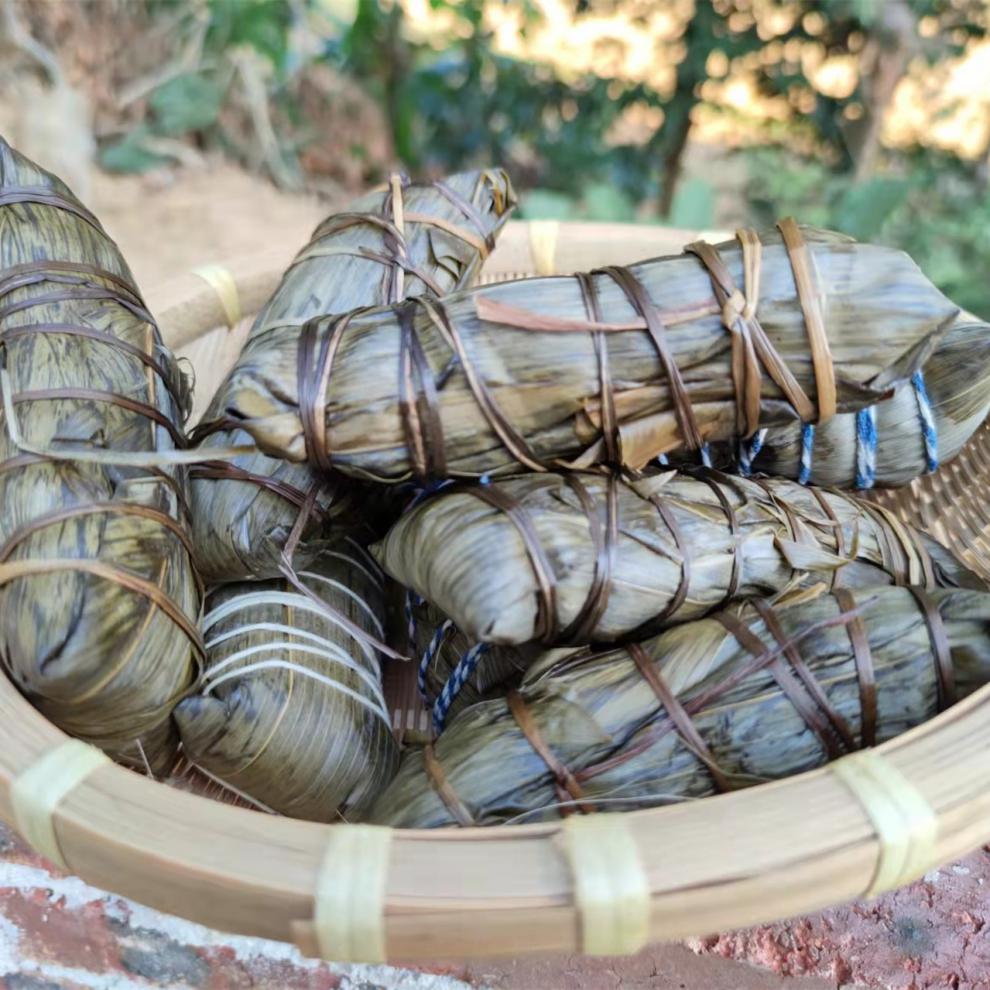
[418, 400]
[536, 527]
[781, 642]
[396, 233]
[752, 354]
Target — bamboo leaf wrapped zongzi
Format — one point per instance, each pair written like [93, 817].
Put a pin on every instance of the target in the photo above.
[291, 714]
[924, 423]
[407, 240]
[751, 694]
[97, 587]
[584, 558]
[619, 366]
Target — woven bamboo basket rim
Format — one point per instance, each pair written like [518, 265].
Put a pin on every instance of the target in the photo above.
[747, 857]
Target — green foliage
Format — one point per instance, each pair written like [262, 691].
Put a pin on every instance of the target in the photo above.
[259, 24]
[183, 105]
[596, 201]
[464, 103]
[454, 102]
[937, 209]
[863, 208]
[603, 201]
[129, 154]
[546, 204]
[189, 102]
[694, 204]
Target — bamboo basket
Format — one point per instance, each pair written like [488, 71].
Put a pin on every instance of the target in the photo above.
[363, 893]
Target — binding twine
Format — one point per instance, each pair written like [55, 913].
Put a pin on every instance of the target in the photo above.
[867, 439]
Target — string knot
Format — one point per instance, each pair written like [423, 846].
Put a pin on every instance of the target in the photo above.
[736, 308]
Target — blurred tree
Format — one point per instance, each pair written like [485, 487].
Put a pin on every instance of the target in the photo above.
[587, 137]
[705, 33]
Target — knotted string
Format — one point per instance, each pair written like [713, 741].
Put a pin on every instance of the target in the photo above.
[867, 440]
[83, 282]
[459, 676]
[753, 353]
[320, 338]
[429, 656]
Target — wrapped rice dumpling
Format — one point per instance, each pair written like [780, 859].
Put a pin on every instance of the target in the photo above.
[291, 716]
[96, 578]
[406, 240]
[585, 558]
[926, 422]
[619, 366]
[754, 693]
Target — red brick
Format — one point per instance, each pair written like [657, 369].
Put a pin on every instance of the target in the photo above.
[78, 939]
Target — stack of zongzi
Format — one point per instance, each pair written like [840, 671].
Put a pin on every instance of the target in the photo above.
[97, 587]
[408, 240]
[605, 558]
[797, 580]
[292, 715]
[740, 629]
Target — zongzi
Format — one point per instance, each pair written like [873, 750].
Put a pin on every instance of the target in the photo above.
[97, 587]
[408, 240]
[619, 366]
[926, 422]
[752, 694]
[291, 716]
[581, 558]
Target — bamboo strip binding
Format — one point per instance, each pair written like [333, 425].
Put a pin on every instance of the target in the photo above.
[906, 826]
[349, 909]
[611, 889]
[224, 285]
[39, 790]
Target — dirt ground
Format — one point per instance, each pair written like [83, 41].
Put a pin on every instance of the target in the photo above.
[171, 221]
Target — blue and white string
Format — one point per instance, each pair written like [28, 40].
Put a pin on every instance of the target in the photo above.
[866, 447]
[929, 431]
[459, 676]
[704, 452]
[429, 655]
[748, 450]
[807, 451]
[866, 441]
[412, 602]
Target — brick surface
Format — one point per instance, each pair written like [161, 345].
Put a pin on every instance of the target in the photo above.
[57, 932]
